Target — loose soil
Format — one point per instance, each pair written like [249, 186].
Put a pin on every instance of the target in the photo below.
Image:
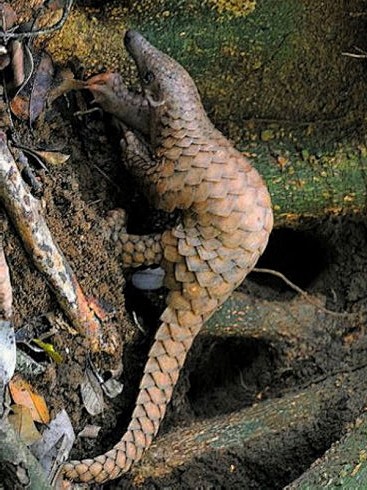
[326, 256]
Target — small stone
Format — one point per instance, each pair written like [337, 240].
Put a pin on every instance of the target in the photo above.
[267, 135]
[305, 155]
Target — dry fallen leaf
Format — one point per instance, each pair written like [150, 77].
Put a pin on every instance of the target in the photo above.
[6, 292]
[17, 63]
[27, 365]
[7, 352]
[4, 58]
[20, 107]
[90, 431]
[22, 67]
[7, 335]
[41, 87]
[52, 157]
[22, 421]
[23, 394]
[9, 17]
[55, 445]
[92, 394]
[112, 387]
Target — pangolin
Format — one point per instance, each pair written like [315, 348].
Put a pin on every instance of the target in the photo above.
[181, 161]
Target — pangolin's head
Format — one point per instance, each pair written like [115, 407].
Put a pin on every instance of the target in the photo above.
[162, 78]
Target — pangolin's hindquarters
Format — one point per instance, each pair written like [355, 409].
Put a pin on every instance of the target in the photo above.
[165, 360]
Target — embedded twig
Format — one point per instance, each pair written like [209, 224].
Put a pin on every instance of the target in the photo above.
[40, 32]
[28, 174]
[361, 53]
[6, 291]
[357, 14]
[303, 293]
[137, 323]
[355, 55]
[25, 212]
[7, 334]
[109, 180]
[6, 122]
[242, 382]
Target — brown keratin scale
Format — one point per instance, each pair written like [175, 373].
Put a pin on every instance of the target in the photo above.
[182, 162]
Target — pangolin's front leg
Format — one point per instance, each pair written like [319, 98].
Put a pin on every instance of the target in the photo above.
[135, 250]
[109, 90]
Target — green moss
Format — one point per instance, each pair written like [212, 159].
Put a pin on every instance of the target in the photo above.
[237, 8]
[197, 35]
[331, 181]
[342, 467]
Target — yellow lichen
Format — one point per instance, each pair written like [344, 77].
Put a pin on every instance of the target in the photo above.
[95, 40]
[237, 8]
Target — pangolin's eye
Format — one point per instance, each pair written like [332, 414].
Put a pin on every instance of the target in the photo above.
[148, 78]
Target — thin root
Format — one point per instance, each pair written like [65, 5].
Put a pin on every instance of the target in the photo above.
[40, 32]
[303, 293]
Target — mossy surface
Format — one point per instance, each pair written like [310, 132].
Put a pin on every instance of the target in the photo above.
[343, 466]
[313, 181]
[273, 79]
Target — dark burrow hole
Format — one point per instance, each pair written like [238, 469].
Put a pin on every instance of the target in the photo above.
[299, 255]
[227, 374]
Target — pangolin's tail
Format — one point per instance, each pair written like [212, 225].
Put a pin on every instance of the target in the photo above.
[165, 360]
